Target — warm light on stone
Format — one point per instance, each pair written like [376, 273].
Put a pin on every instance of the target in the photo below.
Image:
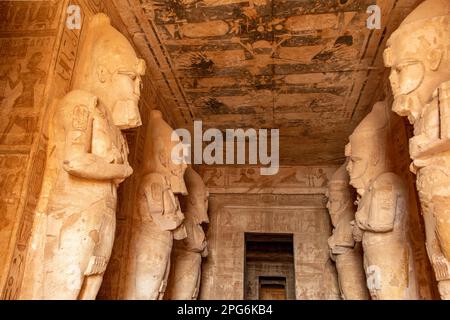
[224, 150]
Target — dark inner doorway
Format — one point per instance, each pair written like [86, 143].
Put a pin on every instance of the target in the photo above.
[272, 288]
[269, 267]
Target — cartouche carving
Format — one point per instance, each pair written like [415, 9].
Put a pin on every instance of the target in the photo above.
[418, 53]
[343, 250]
[185, 274]
[88, 158]
[159, 218]
[382, 216]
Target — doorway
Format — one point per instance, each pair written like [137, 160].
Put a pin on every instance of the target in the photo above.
[272, 288]
[269, 267]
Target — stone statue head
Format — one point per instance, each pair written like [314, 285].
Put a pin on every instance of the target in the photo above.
[195, 209]
[157, 153]
[109, 68]
[368, 148]
[338, 193]
[196, 202]
[419, 58]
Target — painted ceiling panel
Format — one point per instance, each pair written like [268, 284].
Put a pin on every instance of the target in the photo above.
[309, 67]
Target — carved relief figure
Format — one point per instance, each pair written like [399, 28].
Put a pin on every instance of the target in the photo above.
[19, 94]
[418, 53]
[11, 90]
[343, 250]
[88, 158]
[159, 218]
[381, 219]
[185, 274]
[214, 177]
[246, 176]
[29, 79]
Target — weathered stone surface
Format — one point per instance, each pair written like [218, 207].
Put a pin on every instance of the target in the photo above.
[87, 160]
[159, 218]
[343, 250]
[185, 273]
[381, 222]
[417, 53]
[311, 69]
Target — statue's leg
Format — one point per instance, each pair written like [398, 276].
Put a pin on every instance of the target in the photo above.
[185, 274]
[78, 244]
[434, 209]
[153, 248]
[387, 269]
[91, 286]
[441, 206]
[101, 229]
[163, 287]
[198, 272]
[352, 278]
[66, 255]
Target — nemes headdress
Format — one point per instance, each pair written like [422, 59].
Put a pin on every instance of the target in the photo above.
[423, 22]
[103, 44]
[376, 121]
[158, 144]
[340, 179]
[372, 134]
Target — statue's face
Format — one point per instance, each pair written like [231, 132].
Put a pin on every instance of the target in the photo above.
[200, 202]
[177, 171]
[123, 89]
[109, 68]
[358, 165]
[126, 85]
[174, 172]
[416, 69]
[177, 178]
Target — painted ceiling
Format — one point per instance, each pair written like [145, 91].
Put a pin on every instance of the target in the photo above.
[310, 68]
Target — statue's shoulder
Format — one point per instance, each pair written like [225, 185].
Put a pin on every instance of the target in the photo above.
[78, 100]
[388, 180]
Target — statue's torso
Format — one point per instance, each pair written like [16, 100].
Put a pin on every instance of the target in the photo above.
[159, 208]
[431, 142]
[391, 186]
[341, 241]
[196, 239]
[107, 142]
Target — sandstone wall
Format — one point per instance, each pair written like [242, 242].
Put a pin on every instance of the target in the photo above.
[38, 54]
[291, 202]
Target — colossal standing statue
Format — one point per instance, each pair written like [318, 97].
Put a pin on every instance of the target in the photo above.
[88, 158]
[418, 53]
[343, 250]
[382, 216]
[159, 218]
[185, 274]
